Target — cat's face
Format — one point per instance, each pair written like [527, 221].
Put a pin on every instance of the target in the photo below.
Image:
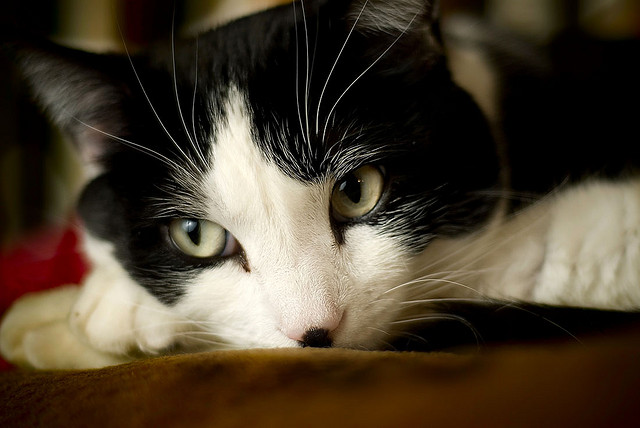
[276, 179]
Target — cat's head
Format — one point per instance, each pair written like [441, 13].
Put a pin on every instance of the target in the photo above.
[276, 177]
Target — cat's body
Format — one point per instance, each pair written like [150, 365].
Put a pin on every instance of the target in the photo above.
[321, 186]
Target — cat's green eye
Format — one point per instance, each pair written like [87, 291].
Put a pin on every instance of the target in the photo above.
[357, 193]
[202, 238]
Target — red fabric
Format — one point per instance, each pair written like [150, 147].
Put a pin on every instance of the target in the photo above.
[44, 260]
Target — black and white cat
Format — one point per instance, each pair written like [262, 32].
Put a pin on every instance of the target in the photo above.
[306, 176]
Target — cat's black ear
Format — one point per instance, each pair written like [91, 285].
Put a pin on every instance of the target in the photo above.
[79, 91]
[407, 17]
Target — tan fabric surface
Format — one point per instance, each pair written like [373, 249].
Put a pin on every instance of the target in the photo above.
[561, 384]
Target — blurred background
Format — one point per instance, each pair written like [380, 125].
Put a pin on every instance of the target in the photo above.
[593, 46]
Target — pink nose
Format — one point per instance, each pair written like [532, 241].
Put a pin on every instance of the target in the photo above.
[315, 334]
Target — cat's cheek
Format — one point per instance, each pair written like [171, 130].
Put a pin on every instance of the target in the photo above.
[380, 280]
[229, 307]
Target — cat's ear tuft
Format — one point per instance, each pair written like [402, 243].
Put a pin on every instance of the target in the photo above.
[79, 93]
[398, 17]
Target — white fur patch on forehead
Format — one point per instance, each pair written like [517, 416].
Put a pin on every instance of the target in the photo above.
[389, 16]
[244, 186]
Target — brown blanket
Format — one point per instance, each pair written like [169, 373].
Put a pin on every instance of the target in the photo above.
[596, 383]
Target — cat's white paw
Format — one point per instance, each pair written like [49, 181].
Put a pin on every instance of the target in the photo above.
[114, 314]
[35, 333]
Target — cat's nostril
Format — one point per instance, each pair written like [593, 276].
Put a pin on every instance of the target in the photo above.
[316, 338]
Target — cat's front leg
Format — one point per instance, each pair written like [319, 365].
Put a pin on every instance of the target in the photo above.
[35, 333]
[107, 321]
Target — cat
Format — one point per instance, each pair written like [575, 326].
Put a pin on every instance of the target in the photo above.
[309, 175]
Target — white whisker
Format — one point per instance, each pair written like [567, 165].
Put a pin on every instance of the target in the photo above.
[139, 147]
[376, 301]
[514, 304]
[297, 59]
[307, 75]
[193, 100]
[324, 132]
[432, 280]
[442, 300]
[440, 317]
[213, 341]
[146, 95]
[175, 87]
[335, 63]
[386, 333]
[413, 336]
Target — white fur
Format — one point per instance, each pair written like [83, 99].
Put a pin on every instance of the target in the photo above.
[592, 251]
[578, 247]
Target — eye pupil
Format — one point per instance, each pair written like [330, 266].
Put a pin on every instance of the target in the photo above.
[192, 229]
[352, 188]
